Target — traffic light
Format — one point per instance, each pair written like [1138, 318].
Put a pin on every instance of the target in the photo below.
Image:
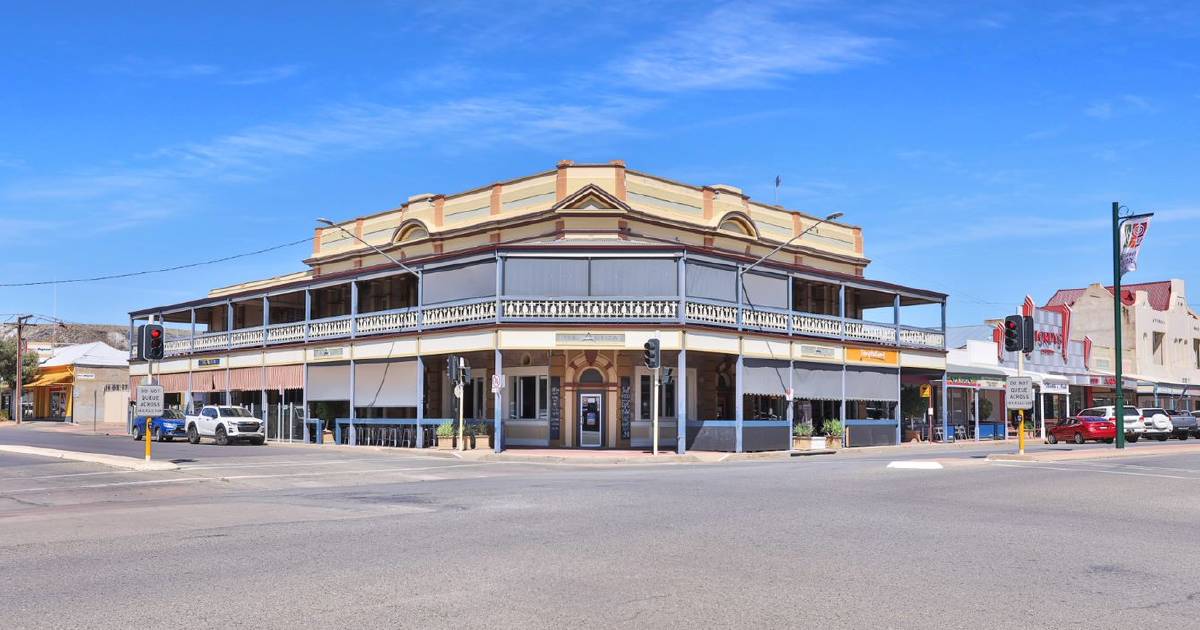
[1013, 333]
[452, 368]
[668, 375]
[1027, 334]
[464, 370]
[652, 354]
[150, 342]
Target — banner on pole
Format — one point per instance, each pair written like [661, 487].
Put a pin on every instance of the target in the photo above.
[1133, 232]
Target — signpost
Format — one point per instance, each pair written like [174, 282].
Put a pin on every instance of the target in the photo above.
[1018, 394]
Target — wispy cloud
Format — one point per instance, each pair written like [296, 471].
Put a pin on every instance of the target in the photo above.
[142, 67]
[1125, 104]
[739, 46]
[160, 184]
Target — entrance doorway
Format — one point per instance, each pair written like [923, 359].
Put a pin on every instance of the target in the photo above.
[591, 420]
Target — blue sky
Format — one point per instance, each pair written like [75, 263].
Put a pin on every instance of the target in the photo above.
[979, 146]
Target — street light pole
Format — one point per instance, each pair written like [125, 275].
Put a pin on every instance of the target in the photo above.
[1119, 409]
[18, 408]
[834, 216]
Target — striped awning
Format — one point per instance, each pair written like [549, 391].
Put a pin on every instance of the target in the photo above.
[285, 377]
[246, 379]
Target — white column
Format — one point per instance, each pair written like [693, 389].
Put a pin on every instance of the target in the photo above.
[681, 400]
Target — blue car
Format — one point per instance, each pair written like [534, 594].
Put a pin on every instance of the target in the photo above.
[164, 428]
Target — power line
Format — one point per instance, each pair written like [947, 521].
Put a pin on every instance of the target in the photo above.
[153, 271]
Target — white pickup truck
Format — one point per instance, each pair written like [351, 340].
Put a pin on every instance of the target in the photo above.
[225, 424]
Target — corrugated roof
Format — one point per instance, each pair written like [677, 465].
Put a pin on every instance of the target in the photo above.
[1158, 294]
[96, 353]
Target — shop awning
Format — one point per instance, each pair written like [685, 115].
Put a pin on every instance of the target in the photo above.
[765, 377]
[53, 378]
[872, 384]
[814, 381]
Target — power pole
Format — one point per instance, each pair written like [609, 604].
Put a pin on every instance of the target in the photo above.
[18, 410]
[1119, 408]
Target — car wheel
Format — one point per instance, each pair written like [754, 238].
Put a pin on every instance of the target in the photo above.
[1183, 436]
[158, 436]
[1079, 438]
[1162, 437]
[222, 439]
[193, 435]
[137, 434]
[1132, 438]
[1108, 441]
[1051, 438]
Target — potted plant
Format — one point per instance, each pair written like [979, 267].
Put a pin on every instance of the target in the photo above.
[803, 438]
[833, 433]
[447, 436]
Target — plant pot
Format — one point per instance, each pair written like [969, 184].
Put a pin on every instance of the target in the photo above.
[447, 443]
[833, 442]
[811, 443]
[484, 441]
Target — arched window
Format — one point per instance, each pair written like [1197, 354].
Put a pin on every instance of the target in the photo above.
[736, 225]
[591, 376]
[412, 232]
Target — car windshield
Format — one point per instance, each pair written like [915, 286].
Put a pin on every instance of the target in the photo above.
[1150, 411]
[1132, 411]
[172, 414]
[235, 412]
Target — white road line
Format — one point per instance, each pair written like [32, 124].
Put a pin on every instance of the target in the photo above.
[915, 465]
[86, 474]
[105, 485]
[351, 472]
[284, 463]
[1095, 470]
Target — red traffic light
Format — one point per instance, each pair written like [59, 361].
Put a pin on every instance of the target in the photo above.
[1011, 325]
[155, 333]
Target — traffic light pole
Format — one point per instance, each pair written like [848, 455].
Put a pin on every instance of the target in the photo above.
[1021, 412]
[654, 408]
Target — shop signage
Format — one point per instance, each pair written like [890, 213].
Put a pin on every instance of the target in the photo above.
[85, 376]
[208, 362]
[817, 352]
[589, 339]
[325, 353]
[1051, 387]
[868, 355]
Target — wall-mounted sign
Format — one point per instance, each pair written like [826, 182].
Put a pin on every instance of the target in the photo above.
[85, 376]
[555, 408]
[1056, 388]
[325, 353]
[208, 362]
[626, 406]
[589, 339]
[871, 355]
[817, 352]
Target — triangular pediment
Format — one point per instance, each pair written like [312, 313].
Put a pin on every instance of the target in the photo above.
[591, 198]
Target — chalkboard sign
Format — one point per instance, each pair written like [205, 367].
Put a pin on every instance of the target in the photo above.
[555, 409]
[626, 406]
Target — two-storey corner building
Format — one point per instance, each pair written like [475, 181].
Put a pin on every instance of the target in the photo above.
[549, 285]
[1160, 341]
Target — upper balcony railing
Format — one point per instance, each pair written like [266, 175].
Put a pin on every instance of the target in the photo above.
[657, 310]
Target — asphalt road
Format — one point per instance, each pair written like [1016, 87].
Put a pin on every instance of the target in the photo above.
[308, 539]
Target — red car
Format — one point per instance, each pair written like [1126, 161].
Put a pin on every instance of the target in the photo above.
[1082, 429]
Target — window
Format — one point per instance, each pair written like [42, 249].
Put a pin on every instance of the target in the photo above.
[1196, 351]
[1158, 347]
[528, 398]
[666, 402]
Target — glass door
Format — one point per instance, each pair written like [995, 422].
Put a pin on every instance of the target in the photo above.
[591, 420]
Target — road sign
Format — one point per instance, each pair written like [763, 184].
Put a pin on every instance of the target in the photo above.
[1018, 392]
[149, 400]
[458, 390]
[497, 383]
[926, 391]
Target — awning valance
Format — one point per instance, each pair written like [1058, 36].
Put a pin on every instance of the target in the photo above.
[53, 378]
